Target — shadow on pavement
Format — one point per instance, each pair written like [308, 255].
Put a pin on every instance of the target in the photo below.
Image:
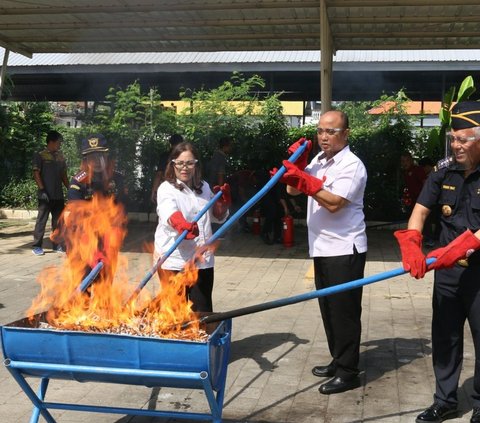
[255, 346]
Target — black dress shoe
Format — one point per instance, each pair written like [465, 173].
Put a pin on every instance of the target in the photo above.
[337, 385]
[437, 413]
[324, 371]
[475, 415]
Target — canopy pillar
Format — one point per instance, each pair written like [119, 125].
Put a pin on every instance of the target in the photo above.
[3, 72]
[326, 59]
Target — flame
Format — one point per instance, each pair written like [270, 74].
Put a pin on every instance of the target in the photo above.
[93, 231]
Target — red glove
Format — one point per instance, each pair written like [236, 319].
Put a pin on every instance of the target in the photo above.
[299, 179]
[461, 247]
[178, 222]
[302, 161]
[413, 259]
[224, 202]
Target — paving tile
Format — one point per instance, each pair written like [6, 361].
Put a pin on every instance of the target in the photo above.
[269, 377]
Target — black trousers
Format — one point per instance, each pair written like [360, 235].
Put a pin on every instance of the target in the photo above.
[199, 294]
[341, 312]
[456, 298]
[272, 224]
[55, 207]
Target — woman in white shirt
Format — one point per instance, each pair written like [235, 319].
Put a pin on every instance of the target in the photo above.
[179, 199]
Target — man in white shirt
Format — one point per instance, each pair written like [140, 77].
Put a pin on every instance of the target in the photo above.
[335, 183]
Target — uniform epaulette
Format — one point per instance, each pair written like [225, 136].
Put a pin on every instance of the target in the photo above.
[80, 176]
[443, 163]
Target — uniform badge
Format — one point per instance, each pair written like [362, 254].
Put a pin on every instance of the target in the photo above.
[93, 142]
[81, 176]
[446, 210]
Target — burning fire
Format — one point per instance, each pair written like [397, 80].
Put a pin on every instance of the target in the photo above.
[94, 231]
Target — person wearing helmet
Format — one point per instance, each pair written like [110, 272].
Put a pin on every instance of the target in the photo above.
[97, 173]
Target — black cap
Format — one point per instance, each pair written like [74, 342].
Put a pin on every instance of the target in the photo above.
[465, 114]
[95, 143]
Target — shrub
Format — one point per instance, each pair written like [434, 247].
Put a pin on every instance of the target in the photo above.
[19, 194]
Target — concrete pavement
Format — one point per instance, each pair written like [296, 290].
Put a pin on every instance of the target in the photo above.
[269, 376]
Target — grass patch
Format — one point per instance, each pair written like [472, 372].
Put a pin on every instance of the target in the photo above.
[8, 223]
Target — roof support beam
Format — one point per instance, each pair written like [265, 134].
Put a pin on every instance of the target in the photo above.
[396, 3]
[156, 6]
[159, 23]
[326, 59]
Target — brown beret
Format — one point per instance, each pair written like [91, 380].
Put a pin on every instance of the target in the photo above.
[465, 114]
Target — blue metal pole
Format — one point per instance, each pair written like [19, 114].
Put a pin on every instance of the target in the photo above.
[304, 297]
[250, 203]
[90, 277]
[41, 395]
[177, 242]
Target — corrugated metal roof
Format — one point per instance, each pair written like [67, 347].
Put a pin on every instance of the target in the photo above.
[72, 26]
[226, 57]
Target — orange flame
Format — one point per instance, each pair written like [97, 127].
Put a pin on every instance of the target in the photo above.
[94, 231]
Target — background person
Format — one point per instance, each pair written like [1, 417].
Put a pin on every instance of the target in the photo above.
[216, 170]
[272, 208]
[431, 228]
[97, 176]
[242, 184]
[49, 172]
[179, 199]
[97, 173]
[334, 182]
[413, 178]
[456, 291]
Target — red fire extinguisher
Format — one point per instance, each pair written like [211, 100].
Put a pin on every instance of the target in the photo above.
[256, 227]
[288, 231]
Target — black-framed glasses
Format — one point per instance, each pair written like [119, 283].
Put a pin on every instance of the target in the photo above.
[180, 164]
[329, 131]
[461, 140]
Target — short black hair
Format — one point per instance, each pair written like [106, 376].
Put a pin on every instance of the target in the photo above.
[175, 139]
[222, 142]
[53, 136]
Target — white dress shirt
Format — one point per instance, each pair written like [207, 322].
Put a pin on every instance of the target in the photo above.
[335, 234]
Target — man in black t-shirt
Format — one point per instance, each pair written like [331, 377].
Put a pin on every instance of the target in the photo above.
[49, 172]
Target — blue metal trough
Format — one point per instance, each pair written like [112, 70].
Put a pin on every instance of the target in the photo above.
[30, 351]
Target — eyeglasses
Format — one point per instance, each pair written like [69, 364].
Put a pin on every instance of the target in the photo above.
[329, 131]
[461, 140]
[180, 164]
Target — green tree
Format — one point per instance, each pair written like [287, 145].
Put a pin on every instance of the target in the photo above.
[23, 129]
[379, 139]
[227, 110]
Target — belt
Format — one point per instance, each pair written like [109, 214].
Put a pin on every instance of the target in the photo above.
[466, 262]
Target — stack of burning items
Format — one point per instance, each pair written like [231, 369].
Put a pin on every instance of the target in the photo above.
[96, 328]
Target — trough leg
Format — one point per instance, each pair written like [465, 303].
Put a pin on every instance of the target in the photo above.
[215, 404]
[41, 394]
[37, 402]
